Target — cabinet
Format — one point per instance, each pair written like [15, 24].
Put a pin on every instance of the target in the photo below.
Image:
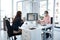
[31, 34]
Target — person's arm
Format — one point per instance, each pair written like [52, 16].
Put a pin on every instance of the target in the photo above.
[40, 21]
[22, 22]
[49, 20]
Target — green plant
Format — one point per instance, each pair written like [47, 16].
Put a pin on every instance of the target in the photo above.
[41, 17]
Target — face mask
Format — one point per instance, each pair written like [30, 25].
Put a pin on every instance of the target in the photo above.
[45, 14]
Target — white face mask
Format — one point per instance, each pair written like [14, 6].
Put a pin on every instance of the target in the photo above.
[44, 14]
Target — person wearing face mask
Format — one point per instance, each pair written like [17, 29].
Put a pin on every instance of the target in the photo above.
[46, 19]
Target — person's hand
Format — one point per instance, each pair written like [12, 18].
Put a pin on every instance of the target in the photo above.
[24, 19]
[38, 21]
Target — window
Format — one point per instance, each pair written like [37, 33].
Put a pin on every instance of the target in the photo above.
[43, 5]
[16, 6]
[57, 11]
[19, 6]
[50, 7]
[6, 10]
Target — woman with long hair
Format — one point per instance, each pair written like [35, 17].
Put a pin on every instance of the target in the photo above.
[17, 22]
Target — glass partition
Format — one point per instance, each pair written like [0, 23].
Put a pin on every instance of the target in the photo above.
[57, 13]
[43, 6]
[50, 7]
[32, 6]
[28, 7]
[6, 5]
[5, 10]
[15, 5]
[19, 6]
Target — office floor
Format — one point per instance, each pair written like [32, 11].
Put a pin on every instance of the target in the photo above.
[3, 35]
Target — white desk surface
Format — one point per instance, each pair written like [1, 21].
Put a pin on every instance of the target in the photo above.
[36, 32]
[38, 26]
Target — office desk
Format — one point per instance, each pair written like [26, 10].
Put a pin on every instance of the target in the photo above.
[35, 34]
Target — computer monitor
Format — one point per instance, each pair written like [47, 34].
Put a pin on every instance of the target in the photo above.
[32, 16]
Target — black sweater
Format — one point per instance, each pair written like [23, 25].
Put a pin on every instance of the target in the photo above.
[17, 23]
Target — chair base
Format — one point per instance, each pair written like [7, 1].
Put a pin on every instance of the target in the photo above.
[12, 38]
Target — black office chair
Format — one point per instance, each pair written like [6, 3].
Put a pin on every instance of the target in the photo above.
[50, 28]
[51, 20]
[10, 31]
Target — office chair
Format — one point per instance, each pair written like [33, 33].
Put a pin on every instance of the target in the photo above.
[10, 31]
[50, 28]
[48, 33]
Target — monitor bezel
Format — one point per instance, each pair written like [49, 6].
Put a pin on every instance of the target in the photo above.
[32, 14]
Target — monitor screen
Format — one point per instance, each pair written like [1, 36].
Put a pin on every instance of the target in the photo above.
[32, 16]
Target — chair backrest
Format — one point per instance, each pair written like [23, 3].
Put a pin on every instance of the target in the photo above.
[51, 20]
[9, 28]
[8, 24]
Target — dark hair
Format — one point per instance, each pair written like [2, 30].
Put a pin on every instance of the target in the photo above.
[18, 15]
[46, 12]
